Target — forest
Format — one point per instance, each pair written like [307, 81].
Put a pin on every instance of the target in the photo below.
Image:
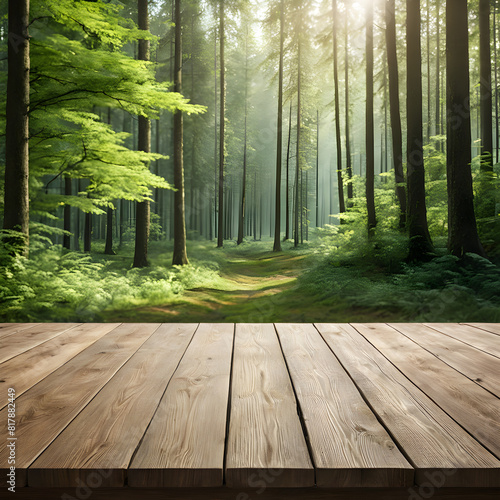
[249, 160]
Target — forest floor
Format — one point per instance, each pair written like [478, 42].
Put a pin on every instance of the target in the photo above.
[259, 286]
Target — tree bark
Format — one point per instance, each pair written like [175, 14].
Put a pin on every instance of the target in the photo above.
[142, 217]
[180, 253]
[67, 214]
[485, 86]
[317, 168]
[420, 241]
[395, 112]
[370, 131]
[220, 232]
[495, 58]
[16, 200]
[287, 223]
[340, 181]
[297, 160]
[462, 229]
[241, 225]
[439, 131]
[350, 189]
[279, 144]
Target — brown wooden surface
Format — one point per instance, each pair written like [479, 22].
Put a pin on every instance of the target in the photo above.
[47, 408]
[348, 445]
[264, 431]
[20, 342]
[11, 328]
[480, 339]
[474, 408]
[184, 444]
[28, 368]
[128, 401]
[120, 409]
[430, 438]
[489, 327]
[479, 366]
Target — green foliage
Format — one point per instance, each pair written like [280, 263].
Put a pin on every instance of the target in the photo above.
[56, 285]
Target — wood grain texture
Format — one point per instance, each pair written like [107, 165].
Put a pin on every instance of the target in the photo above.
[480, 339]
[106, 433]
[12, 328]
[47, 408]
[430, 438]
[265, 435]
[414, 493]
[184, 444]
[13, 345]
[479, 366]
[27, 369]
[489, 327]
[474, 408]
[349, 446]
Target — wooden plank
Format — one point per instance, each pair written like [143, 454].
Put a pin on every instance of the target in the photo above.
[88, 491]
[480, 339]
[489, 327]
[27, 369]
[47, 408]
[479, 366]
[184, 444]
[12, 328]
[474, 408]
[106, 433]
[431, 440]
[265, 433]
[349, 446]
[13, 345]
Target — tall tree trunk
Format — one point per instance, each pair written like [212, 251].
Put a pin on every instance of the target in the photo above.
[16, 199]
[397, 136]
[495, 58]
[297, 159]
[142, 217]
[76, 233]
[287, 223]
[428, 61]
[180, 254]
[87, 232]
[338, 141]
[370, 131]
[220, 233]
[439, 130]
[108, 249]
[241, 221]
[462, 229]
[67, 214]
[420, 241]
[317, 168]
[216, 137]
[485, 86]
[279, 144]
[350, 190]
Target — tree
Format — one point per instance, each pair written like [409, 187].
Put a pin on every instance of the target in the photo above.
[340, 181]
[16, 204]
[241, 222]
[370, 130]
[180, 253]
[222, 125]
[462, 228]
[279, 145]
[397, 136]
[350, 190]
[142, 217]
[420, 241]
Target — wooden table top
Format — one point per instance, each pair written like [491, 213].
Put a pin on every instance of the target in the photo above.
[252, 410]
